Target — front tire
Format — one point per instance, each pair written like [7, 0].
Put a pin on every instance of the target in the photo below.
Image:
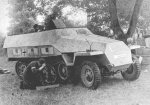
[133, 72]
[90, 75]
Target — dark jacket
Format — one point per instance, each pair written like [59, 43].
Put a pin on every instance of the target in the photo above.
[29, 76]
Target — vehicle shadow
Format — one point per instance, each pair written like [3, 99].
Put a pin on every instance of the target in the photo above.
[111, 81]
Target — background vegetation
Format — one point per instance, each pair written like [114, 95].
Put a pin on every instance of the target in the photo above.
[111, 18]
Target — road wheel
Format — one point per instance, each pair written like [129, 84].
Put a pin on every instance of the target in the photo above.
[49, 75]
[133, 72]
[63, 73]
[90, 75]
[20, 68]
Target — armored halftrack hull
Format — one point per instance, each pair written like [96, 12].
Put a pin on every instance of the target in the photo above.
[89, 56]
[69, 43]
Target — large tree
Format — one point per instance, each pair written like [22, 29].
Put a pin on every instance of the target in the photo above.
[104, 15]
[115, 24]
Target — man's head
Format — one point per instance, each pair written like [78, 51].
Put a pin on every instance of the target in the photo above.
[130, 41]
[42, 60]
[34, 70]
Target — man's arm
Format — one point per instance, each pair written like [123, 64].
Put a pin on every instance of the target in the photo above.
[41, 68]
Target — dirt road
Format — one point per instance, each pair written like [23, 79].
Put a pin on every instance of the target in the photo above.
[113, 91]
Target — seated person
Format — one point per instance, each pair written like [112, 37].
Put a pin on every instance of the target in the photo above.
[49, 24]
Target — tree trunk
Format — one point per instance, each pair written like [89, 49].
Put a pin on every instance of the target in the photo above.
[115, 22]
[134, 18]
[115, 26]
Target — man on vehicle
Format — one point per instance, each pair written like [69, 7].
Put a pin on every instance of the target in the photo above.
[31, 76]
[49, 22]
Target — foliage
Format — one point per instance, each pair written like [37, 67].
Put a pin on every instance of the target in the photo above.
[24, 13]
[144, 20]
[96, 10]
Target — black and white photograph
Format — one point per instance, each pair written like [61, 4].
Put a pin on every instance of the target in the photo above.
[74, 52]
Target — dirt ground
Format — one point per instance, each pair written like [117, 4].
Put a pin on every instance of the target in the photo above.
[113, 91]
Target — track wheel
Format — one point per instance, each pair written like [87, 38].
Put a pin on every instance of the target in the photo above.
[20, 68]
[50, 75]
[63, 72]
[90, 75]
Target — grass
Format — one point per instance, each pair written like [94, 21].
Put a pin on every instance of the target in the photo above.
[113, 91]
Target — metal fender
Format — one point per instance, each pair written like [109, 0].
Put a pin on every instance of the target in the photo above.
[134, 47]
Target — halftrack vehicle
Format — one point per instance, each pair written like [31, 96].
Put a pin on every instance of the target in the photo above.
[73, 51]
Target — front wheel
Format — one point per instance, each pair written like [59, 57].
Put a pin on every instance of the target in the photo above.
[133, 72]
[90, 75]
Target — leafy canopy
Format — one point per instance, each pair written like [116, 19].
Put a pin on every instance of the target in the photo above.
[24, 13]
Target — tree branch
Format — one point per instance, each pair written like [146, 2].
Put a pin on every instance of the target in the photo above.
[134, 18]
